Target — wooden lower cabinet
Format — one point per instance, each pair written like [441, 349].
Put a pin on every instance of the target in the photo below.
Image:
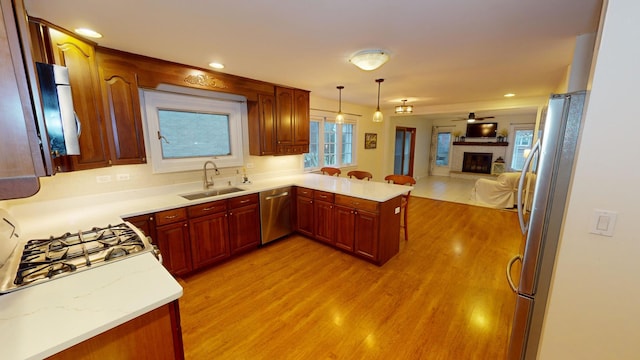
[174, 243]
[154, 335]
[345, 223]
[209, 239]
[244, 223]
[364, 228]
[324, 217]
[198, 236]
[304, 211]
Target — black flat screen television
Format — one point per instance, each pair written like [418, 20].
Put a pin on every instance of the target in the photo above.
[482, 130]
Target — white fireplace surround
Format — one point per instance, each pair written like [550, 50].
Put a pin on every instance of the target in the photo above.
[457, 153]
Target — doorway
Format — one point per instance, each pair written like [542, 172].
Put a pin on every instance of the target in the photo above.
[405, 144]
[440, 154]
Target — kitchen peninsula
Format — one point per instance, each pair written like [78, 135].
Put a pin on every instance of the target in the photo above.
[100, 291]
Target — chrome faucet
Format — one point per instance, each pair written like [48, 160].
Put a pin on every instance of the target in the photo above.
[208, 181]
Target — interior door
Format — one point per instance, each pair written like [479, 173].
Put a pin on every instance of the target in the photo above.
[405, 144]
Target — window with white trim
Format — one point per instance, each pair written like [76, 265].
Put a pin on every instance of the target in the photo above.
[183, 131]
[330, 144]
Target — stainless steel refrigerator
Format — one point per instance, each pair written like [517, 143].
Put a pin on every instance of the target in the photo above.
[549, 168]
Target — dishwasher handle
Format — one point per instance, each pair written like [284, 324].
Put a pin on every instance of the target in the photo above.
[286, 193]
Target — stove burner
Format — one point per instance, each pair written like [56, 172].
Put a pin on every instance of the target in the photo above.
[56, 256]
[34, 271]
[115, 252]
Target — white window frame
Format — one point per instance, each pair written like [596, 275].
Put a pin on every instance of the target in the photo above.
[235, 109]
[327, 119]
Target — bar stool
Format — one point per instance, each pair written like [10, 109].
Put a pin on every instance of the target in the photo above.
[404, 204]
[358, 174]
[331, 171]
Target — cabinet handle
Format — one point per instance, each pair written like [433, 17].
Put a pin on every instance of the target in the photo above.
[244, 201]
[171, 216]
[208, 208]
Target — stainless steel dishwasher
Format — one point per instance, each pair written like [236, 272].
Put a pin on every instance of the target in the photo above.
[275, 214]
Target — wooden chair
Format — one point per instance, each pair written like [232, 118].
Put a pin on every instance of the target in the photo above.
[331, 171]
[358, 174]
[403, 180]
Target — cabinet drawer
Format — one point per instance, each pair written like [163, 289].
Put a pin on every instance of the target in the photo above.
[358, 203]
[323, 196]
[304, 192]
[241, 201]
[207, 208]
[171, 216]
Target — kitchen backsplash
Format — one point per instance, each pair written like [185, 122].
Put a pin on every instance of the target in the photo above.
[131, 177]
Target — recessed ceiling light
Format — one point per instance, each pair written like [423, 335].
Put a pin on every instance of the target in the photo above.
[88, 33]
[509, 95]
[216, 65]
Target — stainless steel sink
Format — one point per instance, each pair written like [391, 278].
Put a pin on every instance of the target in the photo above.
[210, 193]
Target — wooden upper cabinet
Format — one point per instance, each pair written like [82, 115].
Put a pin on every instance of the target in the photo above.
[301, 118]
[79, 57]
[122, 114]
[292, 121]
[20, 161]
[262, 126]
[279, 125]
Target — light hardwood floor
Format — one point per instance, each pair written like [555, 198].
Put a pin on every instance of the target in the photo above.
[444, 296]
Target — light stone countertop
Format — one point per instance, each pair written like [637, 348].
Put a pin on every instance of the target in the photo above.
[43, 319]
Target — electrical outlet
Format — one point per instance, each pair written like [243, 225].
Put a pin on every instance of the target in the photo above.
[122, 177]
[249, 165]
[103, 179]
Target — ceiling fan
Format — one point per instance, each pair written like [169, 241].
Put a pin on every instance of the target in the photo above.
[472, 118]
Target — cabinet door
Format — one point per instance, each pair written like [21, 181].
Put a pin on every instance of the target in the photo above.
[345, 224]
[122, 115]
[366, 234]
[79, 58]
[284, 116]
[301, 118]
[146, 223]
[262, 125]
[304, 215]
[19, 166]
[244, 228]
[324, 221]
[173, 241]
[209, 239]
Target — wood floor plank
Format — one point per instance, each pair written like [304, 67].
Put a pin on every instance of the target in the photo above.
[444, 296]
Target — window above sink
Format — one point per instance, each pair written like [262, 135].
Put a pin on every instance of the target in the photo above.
[185, 129]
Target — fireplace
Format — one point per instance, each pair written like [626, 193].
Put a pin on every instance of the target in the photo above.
[477, 162]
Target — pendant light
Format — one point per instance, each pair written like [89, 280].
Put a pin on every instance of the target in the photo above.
[340, 116]
[404, 108]
[377, 116]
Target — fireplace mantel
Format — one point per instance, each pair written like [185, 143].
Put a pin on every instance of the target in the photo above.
[471, 143]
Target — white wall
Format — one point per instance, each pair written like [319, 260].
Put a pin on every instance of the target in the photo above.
[594, 308]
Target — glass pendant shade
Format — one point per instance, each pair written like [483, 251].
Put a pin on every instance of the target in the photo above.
[377, 116]
[340, 116]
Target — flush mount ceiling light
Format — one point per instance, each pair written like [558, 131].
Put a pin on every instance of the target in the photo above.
[377, 116]
[404, 108]
[88, 33]
[216, 65]
[340, 116]
[369, 59]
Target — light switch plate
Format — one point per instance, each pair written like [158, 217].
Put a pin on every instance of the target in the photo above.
[603, 222]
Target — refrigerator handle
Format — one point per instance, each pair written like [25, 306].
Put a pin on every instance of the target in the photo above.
[509, 266]
[525, 168]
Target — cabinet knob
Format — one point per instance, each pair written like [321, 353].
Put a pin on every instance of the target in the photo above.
[185, 224]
